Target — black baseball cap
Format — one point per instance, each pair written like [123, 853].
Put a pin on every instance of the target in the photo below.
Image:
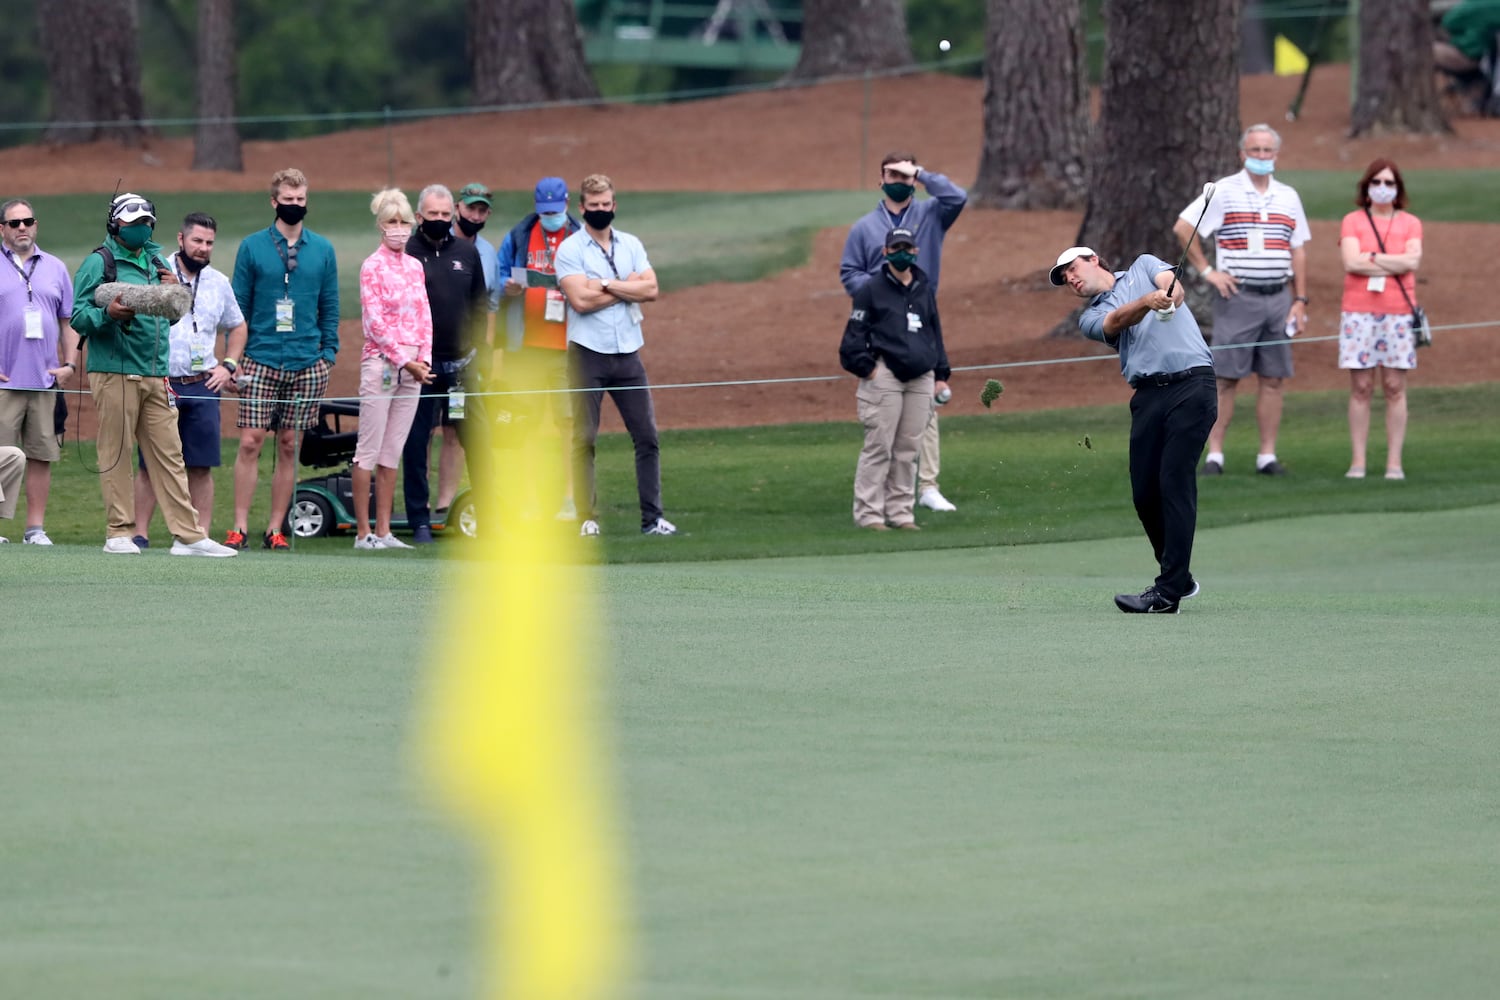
[901, 237]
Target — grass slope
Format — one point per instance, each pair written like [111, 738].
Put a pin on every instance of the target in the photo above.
[1017, 478]
[922, 775]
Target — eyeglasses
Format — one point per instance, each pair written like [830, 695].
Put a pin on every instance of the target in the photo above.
[1377, 182]
[18, 223]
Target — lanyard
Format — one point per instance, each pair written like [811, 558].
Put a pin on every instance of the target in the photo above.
[609, 255]
[182, 280]
[24, 273]
[288, 261]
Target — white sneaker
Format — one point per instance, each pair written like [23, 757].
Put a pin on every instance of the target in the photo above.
[568, 511]
[4, 540]
[390, 542]
[933, 500]
[121, 546]
[589, 529]
[36, 537]
[367, 542]
[661, 526]
[202, 547]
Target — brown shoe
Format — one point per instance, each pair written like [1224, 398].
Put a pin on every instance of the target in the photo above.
[909, 526]
[875, 526]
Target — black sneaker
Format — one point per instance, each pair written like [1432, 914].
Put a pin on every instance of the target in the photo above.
[1147, 602]
[1272, 468]
[1211, 469]
[141, 542]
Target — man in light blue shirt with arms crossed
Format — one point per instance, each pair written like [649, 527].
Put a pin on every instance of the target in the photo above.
[605, 276]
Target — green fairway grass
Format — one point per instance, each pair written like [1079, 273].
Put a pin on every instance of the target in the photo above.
[936, 774]
[1017, 478]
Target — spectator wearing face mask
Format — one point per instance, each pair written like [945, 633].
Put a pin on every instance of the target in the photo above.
[394, 365]
[536, 319]
[470, 215]
[894, 343]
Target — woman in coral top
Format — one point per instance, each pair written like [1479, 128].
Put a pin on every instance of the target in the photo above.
[1381, 244]
[396, 361]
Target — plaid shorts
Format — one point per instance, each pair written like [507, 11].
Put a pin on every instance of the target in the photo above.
[267, 398]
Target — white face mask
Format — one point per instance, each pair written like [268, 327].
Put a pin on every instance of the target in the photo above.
[1381, 194]
[396, 237]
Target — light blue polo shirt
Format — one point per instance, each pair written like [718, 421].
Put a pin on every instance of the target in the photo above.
[609, 330]
[1153, 346]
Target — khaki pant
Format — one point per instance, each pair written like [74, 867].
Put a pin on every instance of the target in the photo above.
[133, 409]
[12, 471]
[894, 414]
[928, 458]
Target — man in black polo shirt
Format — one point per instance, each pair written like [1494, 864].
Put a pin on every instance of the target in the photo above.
[457, 295]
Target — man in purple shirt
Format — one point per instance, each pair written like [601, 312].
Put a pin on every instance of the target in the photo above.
[38, 354]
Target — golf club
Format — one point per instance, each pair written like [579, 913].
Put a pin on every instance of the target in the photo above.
[1208, 196]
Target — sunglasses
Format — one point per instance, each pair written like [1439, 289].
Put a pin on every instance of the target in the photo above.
[1377, 182]
[18, 223]
[291, 259]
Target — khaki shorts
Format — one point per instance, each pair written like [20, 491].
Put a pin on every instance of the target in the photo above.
[28, 421]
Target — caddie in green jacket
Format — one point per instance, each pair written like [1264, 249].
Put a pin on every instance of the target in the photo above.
[127, 366]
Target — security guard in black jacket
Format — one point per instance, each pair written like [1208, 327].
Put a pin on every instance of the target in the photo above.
[894, 343]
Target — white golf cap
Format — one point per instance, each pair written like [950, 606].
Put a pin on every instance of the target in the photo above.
[1067, 257]
[128, 208]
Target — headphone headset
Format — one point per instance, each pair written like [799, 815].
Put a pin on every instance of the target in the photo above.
[116, 205]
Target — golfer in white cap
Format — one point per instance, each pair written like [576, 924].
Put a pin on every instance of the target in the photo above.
[1165, 359]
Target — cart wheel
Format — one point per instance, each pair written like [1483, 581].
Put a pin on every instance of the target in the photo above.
[467, 523]
[312, 516]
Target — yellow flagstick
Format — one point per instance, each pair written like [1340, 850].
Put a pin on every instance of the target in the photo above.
[510, 734]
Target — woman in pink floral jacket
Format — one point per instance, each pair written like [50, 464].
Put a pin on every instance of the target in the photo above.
[396, 361]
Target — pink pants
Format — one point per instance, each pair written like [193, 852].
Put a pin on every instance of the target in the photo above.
[385, 415]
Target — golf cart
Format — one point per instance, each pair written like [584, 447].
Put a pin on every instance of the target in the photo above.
[324, 505]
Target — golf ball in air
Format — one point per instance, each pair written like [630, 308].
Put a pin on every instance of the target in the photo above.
[944, 45]
[943, 395]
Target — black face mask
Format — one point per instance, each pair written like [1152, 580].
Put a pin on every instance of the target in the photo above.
[436, 229]
[598, 218]
[898, 192]
[468, 228]
[189, 265]
[291, 214]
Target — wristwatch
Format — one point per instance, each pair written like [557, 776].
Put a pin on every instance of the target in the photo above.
[604, 283]
[1301, 298]
[231, 364]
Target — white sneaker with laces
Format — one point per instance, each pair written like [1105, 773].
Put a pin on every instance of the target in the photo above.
[367, 542]
[661, 526]
[589, 529]
[121, 546]
[203, 547]
[390, 541]
[933, 500]
[36, 536]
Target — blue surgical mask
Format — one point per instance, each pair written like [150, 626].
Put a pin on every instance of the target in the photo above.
[553, 221]
[1260, 167]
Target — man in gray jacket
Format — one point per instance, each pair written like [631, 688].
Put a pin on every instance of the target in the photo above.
[864, 256]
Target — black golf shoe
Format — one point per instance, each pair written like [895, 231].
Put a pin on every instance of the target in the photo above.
[1147, 602]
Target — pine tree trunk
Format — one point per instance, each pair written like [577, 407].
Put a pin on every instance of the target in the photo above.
[527, 51]
[93, 68]
[1396, 91]
[841, 37]
[1169, 121]
[1035, 124]
[216, 143]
